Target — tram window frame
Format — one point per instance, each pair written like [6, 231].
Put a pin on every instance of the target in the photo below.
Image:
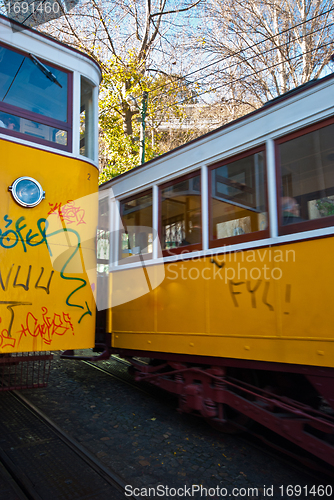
[87, 134]
[103, 234]
[246, 237]
[308, 224]
[134, 257]
[182, 249]
[37, 118]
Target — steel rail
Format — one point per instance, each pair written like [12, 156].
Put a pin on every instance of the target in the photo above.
[12, 479]
[107, 474]
[263, 442]
[107, 372]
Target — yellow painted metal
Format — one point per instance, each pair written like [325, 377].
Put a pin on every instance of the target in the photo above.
[269, 304]
[47, 253]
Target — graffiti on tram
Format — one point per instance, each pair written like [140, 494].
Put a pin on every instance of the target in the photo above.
[68, 213]
[46, 326]
[17, 233]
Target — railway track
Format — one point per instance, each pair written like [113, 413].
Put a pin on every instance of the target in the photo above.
[44, 462]
[257, 436]
[39, 461]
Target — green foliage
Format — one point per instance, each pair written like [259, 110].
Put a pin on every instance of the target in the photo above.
[120, 113]
[118, 147]
[325, 207]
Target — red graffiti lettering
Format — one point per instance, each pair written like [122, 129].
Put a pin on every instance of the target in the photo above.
[58, 324]
[5, 340]
[68, 213]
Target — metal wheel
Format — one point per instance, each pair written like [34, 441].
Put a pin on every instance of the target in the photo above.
[231, 421]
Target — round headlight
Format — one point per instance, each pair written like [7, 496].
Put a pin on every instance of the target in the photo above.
[27, 191]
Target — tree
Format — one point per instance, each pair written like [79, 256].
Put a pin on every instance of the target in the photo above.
[120, 146]
[263, 49]
[132, 41]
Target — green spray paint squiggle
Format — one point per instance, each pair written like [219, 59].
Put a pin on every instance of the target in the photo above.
[12, 237]
[62, 275]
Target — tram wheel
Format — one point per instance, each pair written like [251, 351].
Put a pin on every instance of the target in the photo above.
[235, 421]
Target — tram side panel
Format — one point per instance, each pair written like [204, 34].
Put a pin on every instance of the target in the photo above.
[306, 316]
[203, 308]
[268, 304]
[46, 286]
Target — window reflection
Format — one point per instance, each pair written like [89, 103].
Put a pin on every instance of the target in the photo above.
[103, 235]
[103, 256]
[307, 175]
[24, 85]
[86, 119]
[137, 235]
[32, 128]
[238, 202]
[181, 218]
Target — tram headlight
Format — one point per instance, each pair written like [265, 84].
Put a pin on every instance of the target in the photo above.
[27, 191]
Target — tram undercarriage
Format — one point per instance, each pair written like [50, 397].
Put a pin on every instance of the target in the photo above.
[233, 395]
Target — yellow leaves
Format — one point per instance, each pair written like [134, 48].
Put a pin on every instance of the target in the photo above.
[201, 40]
[123, 84]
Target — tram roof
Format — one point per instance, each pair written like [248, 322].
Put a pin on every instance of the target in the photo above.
[273, 102]
[52, 39]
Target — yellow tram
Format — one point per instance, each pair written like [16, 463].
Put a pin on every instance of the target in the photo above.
[221, 266]
[48, 184]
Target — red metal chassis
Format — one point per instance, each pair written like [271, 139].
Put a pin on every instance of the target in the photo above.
[208, 389]
[204, 386]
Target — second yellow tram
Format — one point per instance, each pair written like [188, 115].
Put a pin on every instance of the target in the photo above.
[220, 270]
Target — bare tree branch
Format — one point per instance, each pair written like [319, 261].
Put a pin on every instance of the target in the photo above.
[176, 11]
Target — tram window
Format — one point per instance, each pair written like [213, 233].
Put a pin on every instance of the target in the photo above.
[306, 193]
[103, 236]
[32, 128]
[137, 232]
[34, 99]
[181, 219]
[238, 198]
[103, 256]
[86, 119]
[24, 85]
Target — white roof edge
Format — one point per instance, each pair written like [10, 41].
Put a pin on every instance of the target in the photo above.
[18, 39]
[280, 129]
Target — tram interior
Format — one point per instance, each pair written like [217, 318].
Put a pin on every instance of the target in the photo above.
[137, 233]
[238, 202]
[25, 86]
[181, 213]
[307, 170]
